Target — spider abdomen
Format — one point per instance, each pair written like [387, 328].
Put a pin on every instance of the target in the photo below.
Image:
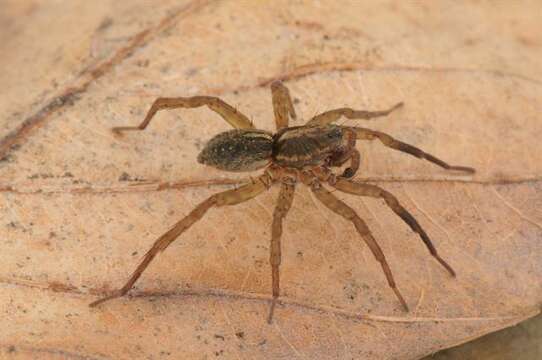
[238, 150]
[310, 146]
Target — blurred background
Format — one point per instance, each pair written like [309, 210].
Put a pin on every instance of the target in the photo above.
[523, 341]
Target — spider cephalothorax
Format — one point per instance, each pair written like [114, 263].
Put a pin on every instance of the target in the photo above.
[301, 154]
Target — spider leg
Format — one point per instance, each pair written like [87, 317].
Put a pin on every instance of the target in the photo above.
[387, 140]
[284, 204]
[350, 187]
[282, 104]
[229, 197]
[228, 112]
[330, 116]
[340, 208]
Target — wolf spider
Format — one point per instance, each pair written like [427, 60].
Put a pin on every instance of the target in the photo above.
[298, 154]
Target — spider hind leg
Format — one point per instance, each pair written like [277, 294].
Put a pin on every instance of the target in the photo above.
[228, 197]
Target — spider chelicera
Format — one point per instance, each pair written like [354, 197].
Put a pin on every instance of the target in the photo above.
[298, 154]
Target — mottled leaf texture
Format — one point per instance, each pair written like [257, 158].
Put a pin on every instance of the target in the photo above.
[80, 205]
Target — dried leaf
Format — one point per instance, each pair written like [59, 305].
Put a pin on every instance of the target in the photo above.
[80, 206]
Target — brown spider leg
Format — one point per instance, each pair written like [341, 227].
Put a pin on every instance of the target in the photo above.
[228, 112]
[340, 208]
[350, 187]
[284, 204]
[330, 116]
[355, 161]
[229, 197]
[387, 140]
[282, 104]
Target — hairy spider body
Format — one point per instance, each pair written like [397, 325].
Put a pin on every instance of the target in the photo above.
[238, 150]
[293, 147]
[301, 154]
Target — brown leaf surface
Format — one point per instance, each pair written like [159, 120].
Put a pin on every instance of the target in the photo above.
[80, 207]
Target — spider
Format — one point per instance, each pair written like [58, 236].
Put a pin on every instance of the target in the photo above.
[299, 154]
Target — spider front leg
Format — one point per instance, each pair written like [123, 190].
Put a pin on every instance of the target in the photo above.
[228, 112]
[340, 208]
[330, 116]
[284, 204]
[229, 197]
[282, 104]
[374, 191]
[387, 140]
